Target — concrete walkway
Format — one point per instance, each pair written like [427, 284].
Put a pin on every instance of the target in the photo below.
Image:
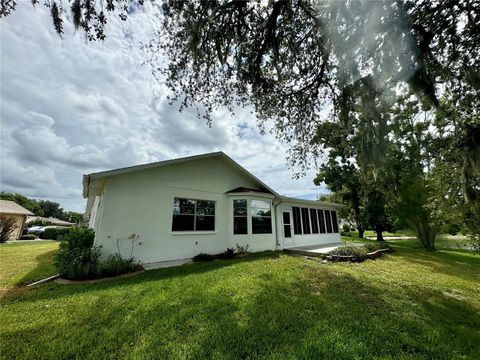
[313, 250]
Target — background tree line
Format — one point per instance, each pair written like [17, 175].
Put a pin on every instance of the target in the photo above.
[43, 208]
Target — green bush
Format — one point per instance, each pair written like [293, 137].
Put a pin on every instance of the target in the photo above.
[80, 237]
[358, 251]
[227, 254]
[346, 228]
[38, 222]
[78, 263]
[370, 247]
[203, 257]
[116, 265]
[28, 237]
[77, 258]
[54, 233]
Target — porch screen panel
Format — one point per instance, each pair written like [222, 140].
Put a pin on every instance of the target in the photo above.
[334, 221]
[321, 219]
[328, 221]
[313, 218]
[305, 221]
[297, 221]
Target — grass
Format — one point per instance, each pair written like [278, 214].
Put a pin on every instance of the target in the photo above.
[443, 241]
[371, 233]
[407, 305]
[25, 262]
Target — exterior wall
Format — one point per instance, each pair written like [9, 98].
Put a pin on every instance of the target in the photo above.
[255, 242]
[304, 240]
[141, 203]
[19, 223]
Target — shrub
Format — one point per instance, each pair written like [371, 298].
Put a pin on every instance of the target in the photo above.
[358, 251]
[28, 237]
[453, 229]
[116, 265]
[53, 233]
[79, 237]
[7, 227]
[78, 263]
[242, 249]
[346, 228]
[203, 257]
[227, 254]
[345, 233]
[38, 222]
[76, 258]
[370, 247]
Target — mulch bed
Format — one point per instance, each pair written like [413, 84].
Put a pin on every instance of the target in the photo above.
[355, 258]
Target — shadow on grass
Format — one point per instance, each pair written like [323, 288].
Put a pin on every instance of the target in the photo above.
[315, 312]
[459, 263]
[45, 267]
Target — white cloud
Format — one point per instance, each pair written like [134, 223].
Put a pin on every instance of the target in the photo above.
[69, 107]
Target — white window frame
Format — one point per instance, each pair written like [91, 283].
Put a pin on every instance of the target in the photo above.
[187, 232]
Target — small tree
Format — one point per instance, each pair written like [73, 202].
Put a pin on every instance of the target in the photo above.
[7, 227]
[413, 210]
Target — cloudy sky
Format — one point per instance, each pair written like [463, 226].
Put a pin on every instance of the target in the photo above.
[69, 107]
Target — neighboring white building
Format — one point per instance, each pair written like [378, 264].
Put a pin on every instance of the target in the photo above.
[199, 204]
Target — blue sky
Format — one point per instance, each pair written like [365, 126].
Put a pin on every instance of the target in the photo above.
[70, 107]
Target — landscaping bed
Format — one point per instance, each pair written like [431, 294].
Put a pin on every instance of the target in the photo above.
[358, 252]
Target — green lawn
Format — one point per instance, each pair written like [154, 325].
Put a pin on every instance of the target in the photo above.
[409, 305]
[25, 262]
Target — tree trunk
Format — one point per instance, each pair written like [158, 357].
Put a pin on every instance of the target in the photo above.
[361, 231]
[379, 232]
[426, 233]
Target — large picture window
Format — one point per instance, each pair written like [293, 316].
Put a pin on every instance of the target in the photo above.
[193, 215]
[240, 217]
[261, 217]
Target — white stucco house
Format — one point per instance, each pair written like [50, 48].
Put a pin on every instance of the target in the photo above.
[199, 204]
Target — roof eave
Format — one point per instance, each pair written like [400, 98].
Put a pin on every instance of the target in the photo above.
[286, 199]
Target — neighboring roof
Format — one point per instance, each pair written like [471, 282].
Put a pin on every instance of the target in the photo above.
[10, 207]
[219, 154]
[52, 220]
[287, 199]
